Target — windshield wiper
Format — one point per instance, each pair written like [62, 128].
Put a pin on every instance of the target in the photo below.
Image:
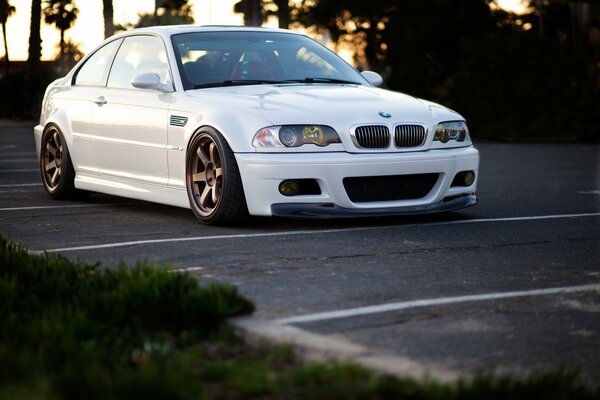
[235, 82]
[321, 80]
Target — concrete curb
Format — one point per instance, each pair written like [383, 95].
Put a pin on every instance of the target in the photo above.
[313, 347]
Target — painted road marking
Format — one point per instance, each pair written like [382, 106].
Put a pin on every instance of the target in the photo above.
[20, 170]
[188, 269]
[590, 192]
[307, 232]
[381, 308]
[61, 206]
[20, 185]
[17, 154]
[22, 160]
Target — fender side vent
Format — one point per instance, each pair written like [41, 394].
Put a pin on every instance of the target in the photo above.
[178, 121]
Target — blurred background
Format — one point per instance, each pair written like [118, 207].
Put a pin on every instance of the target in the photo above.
[518, 70]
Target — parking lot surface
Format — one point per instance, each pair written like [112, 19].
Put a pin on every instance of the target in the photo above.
[510, 285]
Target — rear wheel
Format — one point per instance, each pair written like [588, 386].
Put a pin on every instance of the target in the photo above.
[213, 181]
[56, 167]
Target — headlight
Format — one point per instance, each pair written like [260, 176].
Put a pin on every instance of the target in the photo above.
[454, 130]
[295, 136]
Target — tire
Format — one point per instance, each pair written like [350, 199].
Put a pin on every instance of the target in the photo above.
[58, 175]
[213, 181]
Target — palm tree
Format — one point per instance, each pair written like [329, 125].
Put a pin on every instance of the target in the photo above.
[35, 37]
[252, 10]
[283, 13]
[109, 26]
[172, 12]
[61, 13]
[6, 10]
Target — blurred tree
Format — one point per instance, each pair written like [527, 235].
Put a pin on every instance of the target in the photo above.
[481, 60]
[353, 21]
[108, 12]
[278, 8]
[35, 37]
[6, 10]
[72, 53]
[170, 12]
[569, 29]
[252, 10]
[283, 13]
[62, 14]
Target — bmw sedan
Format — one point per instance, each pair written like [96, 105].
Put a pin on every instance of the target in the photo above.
[231, 121]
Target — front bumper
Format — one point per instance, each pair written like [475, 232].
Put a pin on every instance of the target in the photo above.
[262, 173]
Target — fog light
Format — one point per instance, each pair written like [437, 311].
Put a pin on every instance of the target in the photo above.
[469, 178]
[289, 187]
[463, 178]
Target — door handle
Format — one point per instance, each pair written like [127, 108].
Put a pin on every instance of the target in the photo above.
[100, 101]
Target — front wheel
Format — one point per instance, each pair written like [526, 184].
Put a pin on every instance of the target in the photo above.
[213, 181]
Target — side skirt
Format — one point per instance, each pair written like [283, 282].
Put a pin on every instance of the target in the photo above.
[168, 195]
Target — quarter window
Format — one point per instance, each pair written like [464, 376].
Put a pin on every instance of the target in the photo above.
[95, 70]
[139, 55]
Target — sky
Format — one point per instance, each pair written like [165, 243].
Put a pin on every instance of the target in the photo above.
[88, 30]
[89, 26]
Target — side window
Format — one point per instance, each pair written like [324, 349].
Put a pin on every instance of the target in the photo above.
[95, 70]
[139, 55]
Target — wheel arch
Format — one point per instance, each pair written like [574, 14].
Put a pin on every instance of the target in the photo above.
[60, 120]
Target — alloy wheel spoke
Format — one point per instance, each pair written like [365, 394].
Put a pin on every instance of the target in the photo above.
[54, 179]
[50, 165]
[205, 161]
[215, 195]
[56, 139]
[51, 149]
[212, 152]
[199, 177]
[218, 172]
[205, 195]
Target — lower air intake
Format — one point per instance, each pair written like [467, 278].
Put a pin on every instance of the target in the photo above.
[366, 189]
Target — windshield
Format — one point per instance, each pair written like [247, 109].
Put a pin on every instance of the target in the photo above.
[212, 59]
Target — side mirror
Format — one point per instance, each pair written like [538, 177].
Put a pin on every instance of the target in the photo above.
[373, 77]
[150, 80]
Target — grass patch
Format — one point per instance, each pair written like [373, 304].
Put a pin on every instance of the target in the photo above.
[72, 331]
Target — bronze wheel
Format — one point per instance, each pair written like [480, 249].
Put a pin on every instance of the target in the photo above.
[213, 181]
[55, 165]
[207, 175]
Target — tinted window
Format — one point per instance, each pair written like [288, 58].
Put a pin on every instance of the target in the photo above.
[139, 55]
[95, 70]
[210, 57]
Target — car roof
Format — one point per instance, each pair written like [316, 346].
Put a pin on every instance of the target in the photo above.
[169, 30]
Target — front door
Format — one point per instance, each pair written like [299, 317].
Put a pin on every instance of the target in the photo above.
[129, 124]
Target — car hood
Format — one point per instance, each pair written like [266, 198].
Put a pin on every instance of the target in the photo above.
[328, 104]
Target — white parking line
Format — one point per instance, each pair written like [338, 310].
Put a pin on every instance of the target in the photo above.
[381, 308]
[20, 185]
[61, 206]
[187, 269]
[20, 170]
[22, 160]
[4, 154]
[306, 232]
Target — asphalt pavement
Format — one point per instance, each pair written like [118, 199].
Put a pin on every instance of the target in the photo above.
[510, 285]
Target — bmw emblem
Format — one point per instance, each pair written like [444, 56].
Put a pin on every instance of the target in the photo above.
[384, 114]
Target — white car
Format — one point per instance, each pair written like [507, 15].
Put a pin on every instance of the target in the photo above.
[234, 120]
